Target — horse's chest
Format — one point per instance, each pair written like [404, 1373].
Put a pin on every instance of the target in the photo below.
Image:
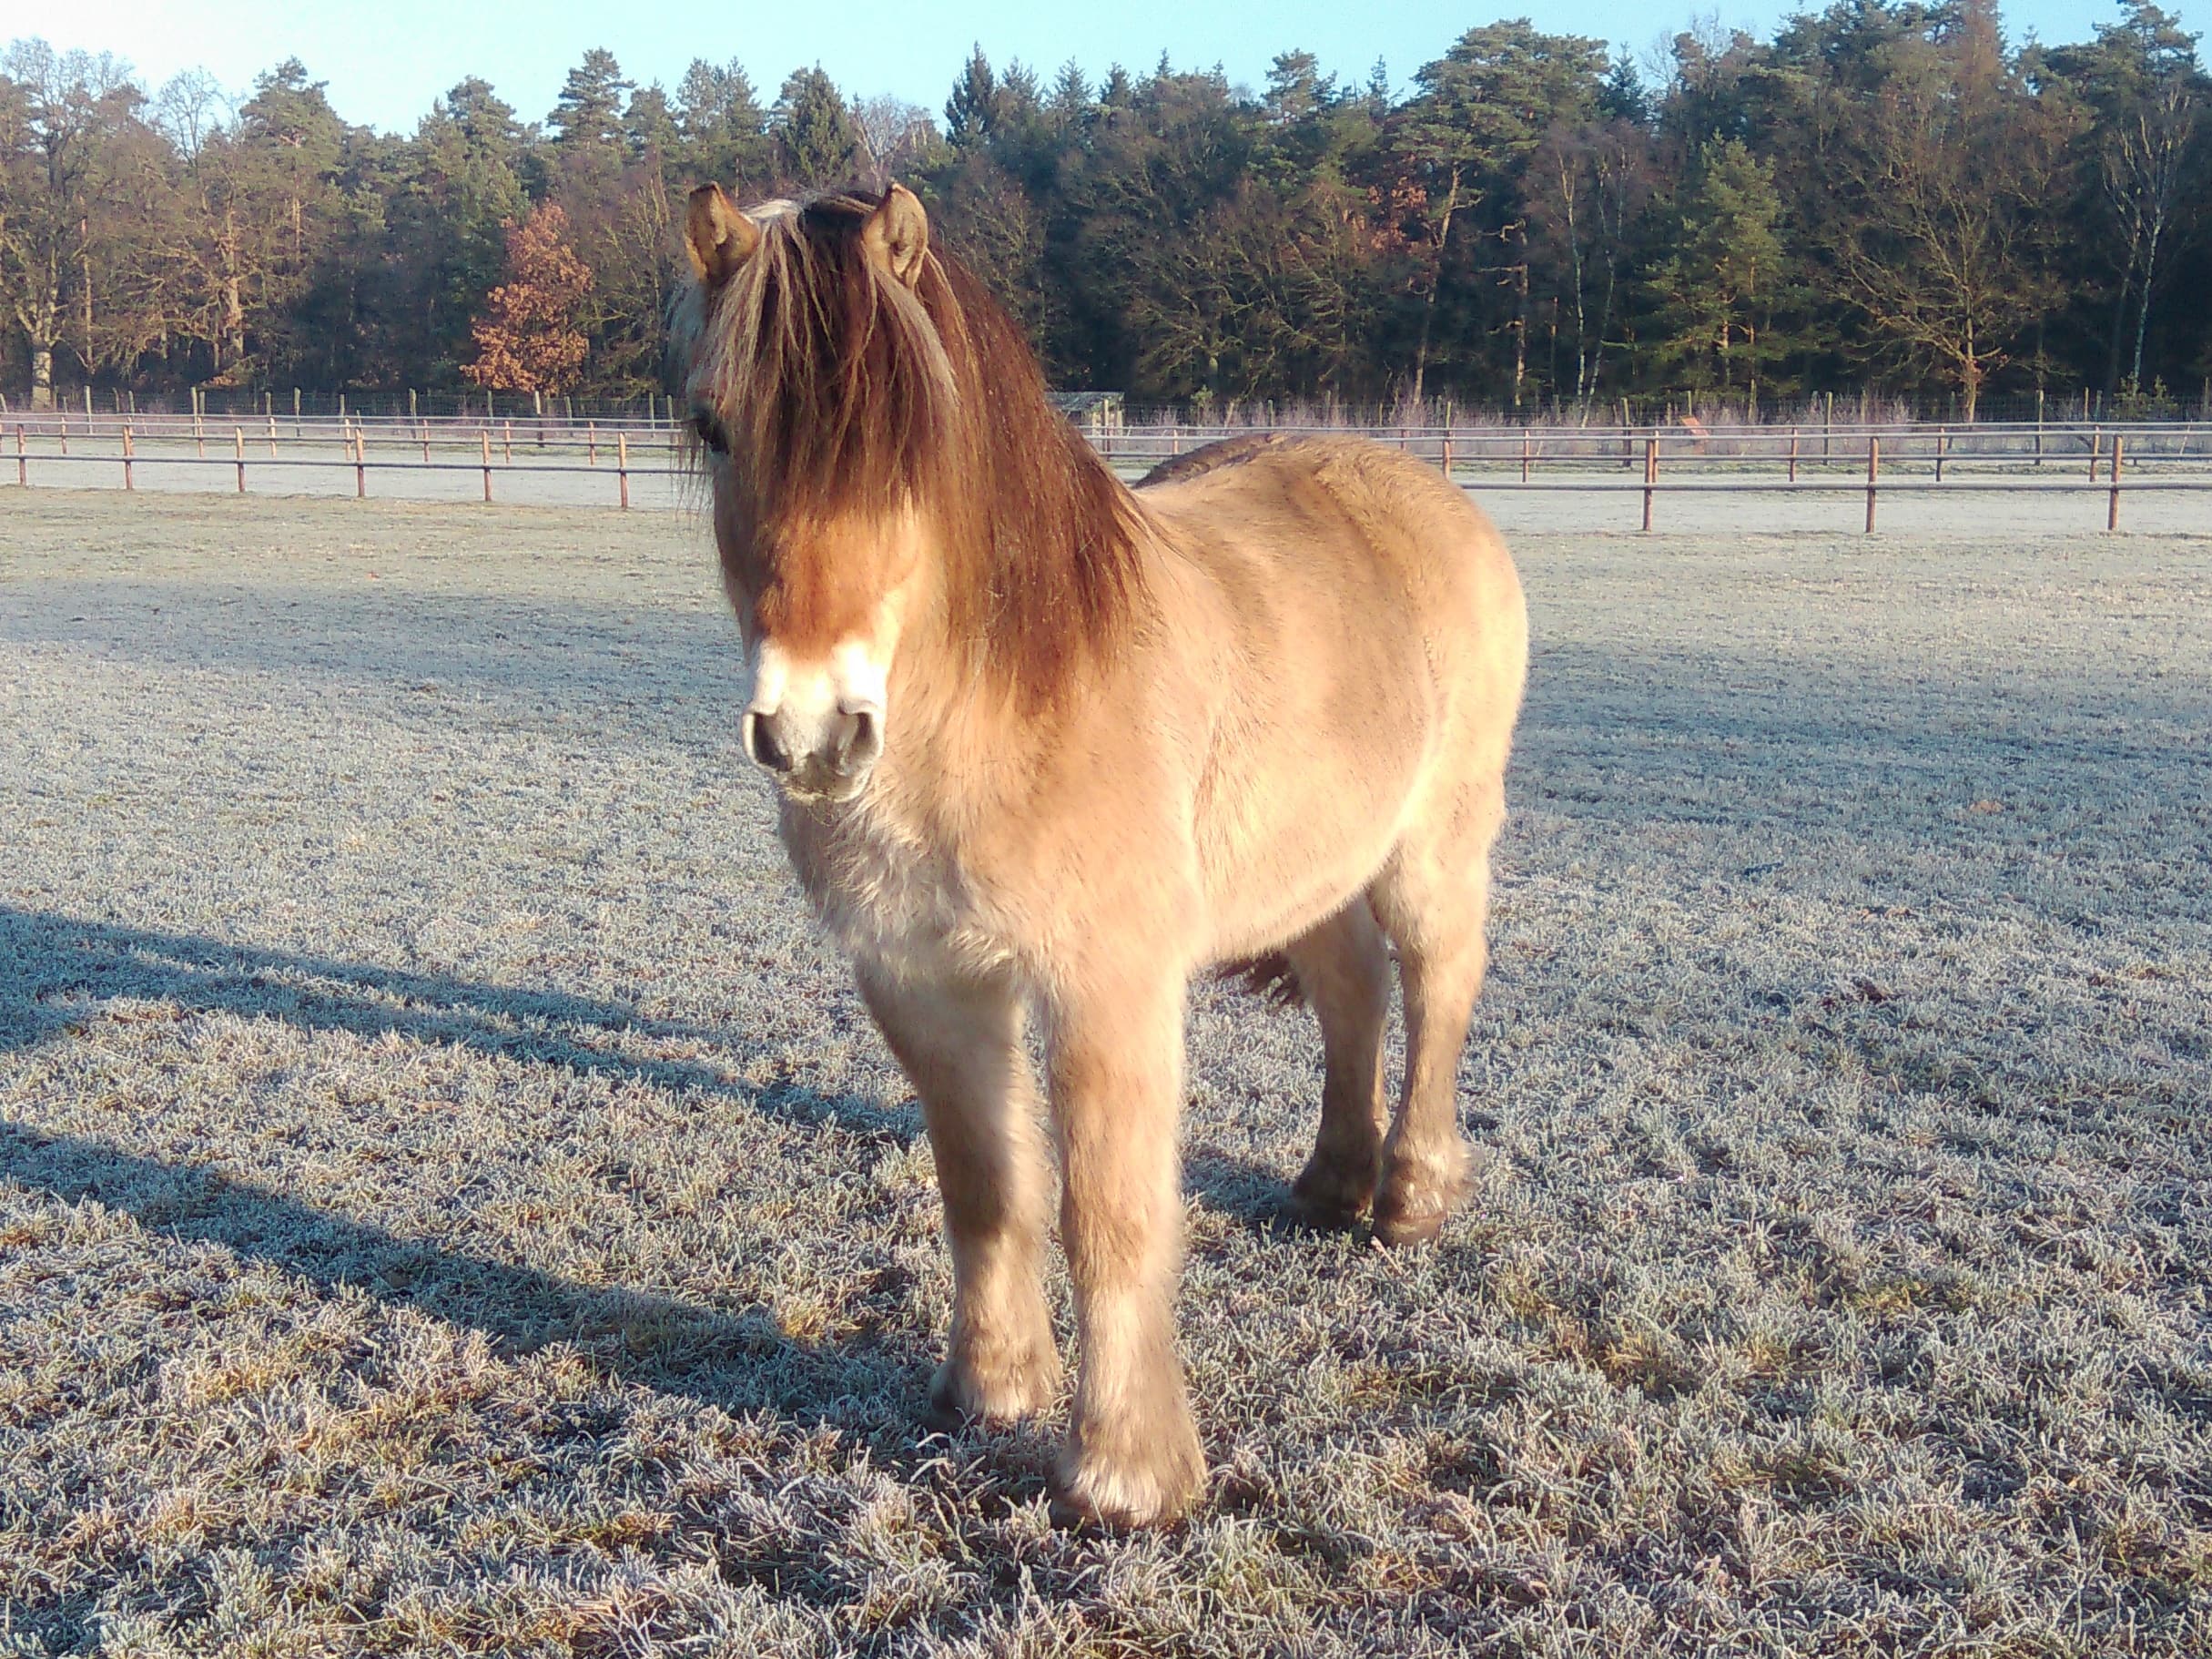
[889, 895]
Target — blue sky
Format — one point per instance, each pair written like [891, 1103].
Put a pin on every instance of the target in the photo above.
[386, 59]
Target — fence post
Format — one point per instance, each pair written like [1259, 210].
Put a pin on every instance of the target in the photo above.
[237, 439]
[590, 443]
[1828, 427]
[2097, 446]
[23, 461]
[1942, 441]
[1794, 455]
[1874, 470]
[2112, 508]
[1446, 452]
[272, 437]
[127, 456]
[1650, 475]
[2039, 426]
[507, 438]
[360, 464]
[1524, 455]
[622, 465]
[487, 438]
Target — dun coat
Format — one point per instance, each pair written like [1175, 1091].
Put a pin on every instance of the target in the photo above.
[1048, 747]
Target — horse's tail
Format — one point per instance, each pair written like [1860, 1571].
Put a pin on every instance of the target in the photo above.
[1270, 975]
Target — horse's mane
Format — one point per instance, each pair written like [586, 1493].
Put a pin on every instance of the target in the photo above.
[841, 390]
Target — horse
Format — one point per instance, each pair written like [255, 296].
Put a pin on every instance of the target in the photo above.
[1047, 748]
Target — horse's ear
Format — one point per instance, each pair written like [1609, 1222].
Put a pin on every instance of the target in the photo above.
[718, 235]
[897, 233]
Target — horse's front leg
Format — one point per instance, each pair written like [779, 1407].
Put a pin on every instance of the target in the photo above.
[1133, 1457]
[960, 1044]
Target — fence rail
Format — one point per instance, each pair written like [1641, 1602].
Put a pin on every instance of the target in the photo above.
[2057, 458]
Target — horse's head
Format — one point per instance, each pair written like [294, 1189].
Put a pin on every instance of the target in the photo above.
[891, 481]
[820, 389]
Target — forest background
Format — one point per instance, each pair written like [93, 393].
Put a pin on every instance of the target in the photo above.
[1882, 195]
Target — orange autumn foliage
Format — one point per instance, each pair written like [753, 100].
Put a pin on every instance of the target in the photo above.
[528, 337]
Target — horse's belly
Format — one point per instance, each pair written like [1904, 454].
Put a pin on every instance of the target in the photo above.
[1301, 843]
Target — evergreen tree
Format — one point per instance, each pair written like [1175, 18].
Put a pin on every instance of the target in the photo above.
[2146, 95]
[818, 144]
[971, 113]
[1720, 278]
[586, 118]
[460, 191]
[649, 127]
[725, 130]
[1883, 188]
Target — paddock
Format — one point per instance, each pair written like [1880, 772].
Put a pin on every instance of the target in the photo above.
[450, 1197]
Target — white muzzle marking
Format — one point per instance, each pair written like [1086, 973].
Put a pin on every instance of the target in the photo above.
[818, 725]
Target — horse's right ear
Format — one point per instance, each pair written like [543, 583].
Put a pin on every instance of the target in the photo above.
[718, 235]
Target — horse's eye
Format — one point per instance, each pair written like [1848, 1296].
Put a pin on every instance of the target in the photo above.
[708, 425]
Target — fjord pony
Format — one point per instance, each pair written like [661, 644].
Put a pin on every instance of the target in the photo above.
[1048, 747]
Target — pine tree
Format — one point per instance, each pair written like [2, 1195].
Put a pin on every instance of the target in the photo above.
[1722, 280]
[588, 114]
[817, 143]
[725, 130]
[528, 339]
[971, 113]
[1070, 99]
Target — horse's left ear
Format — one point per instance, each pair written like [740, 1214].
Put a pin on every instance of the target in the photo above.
[717, 235]
[897, 233]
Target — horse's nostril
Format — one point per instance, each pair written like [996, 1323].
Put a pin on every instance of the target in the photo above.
[859, 740]
[762, 743]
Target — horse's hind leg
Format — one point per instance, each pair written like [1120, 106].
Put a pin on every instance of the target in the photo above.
[960, 1044]
[1344, 969]
[1433, 898]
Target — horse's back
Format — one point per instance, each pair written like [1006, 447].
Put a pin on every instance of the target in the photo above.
[1367, 539]
[1358, 623]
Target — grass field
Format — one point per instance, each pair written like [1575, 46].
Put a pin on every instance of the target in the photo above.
[450, 1201]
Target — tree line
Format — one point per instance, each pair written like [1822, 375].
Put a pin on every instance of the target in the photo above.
[1882, 193]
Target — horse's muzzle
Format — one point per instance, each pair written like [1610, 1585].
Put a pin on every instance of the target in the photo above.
[830, 762]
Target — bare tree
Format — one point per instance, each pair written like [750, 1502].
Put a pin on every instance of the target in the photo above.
[897, 138]
[2143, 163]
[1949, 185]
[55, 109]
[192, 108]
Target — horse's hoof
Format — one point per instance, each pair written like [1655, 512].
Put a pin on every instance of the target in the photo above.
[1146, 1488]
[1329, 1198]
[1414, 1200]
[962, 1393]
[1321, 1215]
[1401, 1230]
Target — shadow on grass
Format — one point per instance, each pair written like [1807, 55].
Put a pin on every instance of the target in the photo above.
[53, 966]
[737, 1359]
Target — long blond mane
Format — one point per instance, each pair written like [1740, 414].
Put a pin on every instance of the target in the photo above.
[843, 392]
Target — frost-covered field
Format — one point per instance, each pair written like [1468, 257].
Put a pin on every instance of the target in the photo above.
[450, 1201]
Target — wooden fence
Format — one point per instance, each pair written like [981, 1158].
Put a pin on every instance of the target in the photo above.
[1646, 461]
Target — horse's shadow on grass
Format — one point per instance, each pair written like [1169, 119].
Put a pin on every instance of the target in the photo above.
[55, 971]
